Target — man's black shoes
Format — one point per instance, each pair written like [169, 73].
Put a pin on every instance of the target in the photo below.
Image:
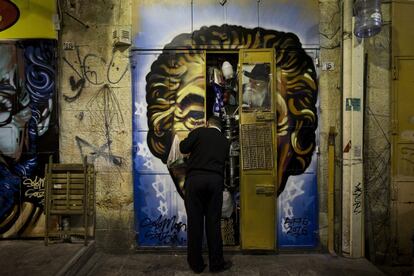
[225, 266]
[199, 270]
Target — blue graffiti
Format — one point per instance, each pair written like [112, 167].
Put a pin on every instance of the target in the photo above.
[32, 108]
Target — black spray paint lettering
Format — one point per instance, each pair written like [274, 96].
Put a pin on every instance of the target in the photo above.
[110, 111]
[296, 226]
[85, 73]
[96, 152]
[164, 230]
[357, 193]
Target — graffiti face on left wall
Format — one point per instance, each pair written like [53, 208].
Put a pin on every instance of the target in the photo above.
[27, 90]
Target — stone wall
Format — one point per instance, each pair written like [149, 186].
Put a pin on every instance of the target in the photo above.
[330, 98]
[95, 110]
[377, 140]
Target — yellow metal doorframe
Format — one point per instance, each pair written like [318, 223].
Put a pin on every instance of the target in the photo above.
[258, 164]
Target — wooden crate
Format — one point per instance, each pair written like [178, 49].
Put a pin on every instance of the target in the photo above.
[69, 191]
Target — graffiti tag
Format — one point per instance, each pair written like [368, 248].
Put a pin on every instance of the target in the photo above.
[165, 230]
[36, 188]
[96, 152]
[296, 226]
[357, 193]
[87, 72]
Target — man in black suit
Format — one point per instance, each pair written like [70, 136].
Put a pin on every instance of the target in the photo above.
[208, 149]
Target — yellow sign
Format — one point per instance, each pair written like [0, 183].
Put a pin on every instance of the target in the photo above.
[20, 19]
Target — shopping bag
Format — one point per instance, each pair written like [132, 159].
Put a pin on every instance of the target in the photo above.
[227, 208]
[175, 158]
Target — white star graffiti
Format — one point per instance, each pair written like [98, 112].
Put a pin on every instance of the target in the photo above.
[163, 208]
[140, 109]
[148, 163]
[293, 190]
[160, 187]
[143, 150]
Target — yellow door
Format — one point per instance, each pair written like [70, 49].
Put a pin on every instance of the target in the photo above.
[403, 156]
[257, 84]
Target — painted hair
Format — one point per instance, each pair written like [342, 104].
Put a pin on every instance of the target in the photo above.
[176, 91]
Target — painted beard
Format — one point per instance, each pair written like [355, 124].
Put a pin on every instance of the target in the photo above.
[254, 97]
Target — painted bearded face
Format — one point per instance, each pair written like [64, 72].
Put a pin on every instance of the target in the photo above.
[13, 116]
[176, 93]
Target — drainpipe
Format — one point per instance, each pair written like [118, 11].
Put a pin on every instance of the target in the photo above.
[352, 135]
[331, 191]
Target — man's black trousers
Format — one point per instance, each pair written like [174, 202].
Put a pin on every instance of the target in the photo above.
[204, 199]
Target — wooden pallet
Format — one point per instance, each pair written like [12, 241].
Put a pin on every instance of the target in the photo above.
[69, 191]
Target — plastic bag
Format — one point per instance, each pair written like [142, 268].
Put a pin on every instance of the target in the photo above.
[227, 208]
[175, 157]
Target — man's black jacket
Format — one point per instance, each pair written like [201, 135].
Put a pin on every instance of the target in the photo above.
[208, 149]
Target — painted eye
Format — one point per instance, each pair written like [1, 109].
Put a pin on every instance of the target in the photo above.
[5, 108]
[260, 83]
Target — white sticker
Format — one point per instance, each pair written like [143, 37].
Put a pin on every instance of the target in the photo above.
[376, 16]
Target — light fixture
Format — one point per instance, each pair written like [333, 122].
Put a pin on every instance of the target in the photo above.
[368, 19]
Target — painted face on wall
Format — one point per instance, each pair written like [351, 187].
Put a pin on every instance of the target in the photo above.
[14, 115]
[27, 87]
[256, 90]
[176, 93]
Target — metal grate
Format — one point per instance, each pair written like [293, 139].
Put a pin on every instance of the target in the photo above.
[257, 146]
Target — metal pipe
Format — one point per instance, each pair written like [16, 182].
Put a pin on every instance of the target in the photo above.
[331, 191]
[346, 123]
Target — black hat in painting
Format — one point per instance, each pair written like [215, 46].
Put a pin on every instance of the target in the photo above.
[260, 71]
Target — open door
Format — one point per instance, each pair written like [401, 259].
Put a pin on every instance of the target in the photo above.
[257, 84]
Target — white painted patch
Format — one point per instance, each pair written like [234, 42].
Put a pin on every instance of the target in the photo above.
[292, 191]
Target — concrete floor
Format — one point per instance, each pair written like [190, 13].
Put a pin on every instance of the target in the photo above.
[173, 264]
[31, 257]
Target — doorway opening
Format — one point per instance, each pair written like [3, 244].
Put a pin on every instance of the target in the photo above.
[222, 100]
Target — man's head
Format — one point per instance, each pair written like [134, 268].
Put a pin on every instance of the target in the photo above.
[214, 121]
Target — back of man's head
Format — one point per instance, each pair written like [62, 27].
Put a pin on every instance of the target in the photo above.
[214, 121]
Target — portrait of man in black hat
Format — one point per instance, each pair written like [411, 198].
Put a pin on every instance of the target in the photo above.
[256, 87]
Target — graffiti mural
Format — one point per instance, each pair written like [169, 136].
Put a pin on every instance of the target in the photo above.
[170, 99]
[28, 132]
